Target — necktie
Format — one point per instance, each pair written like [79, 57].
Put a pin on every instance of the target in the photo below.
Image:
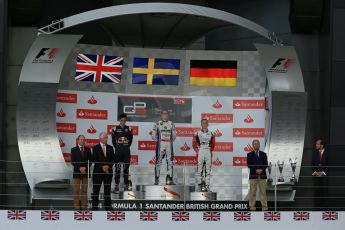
[257, 154]
[104, 151]
[320, 155]
[82, 151]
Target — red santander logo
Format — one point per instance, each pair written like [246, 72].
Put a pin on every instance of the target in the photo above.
[152, 161]
[146, 145]
[92, 114]
[185, 147]
[185, 160]
[217, 162]
[92, 100]
[248, 132]
[217, 105]
[248, 119]
[224, 147]
[91, 130]
[218, 117]
[248, 148]
[185, 131]
[249, 104]
[239, 161]
[66, 98]
[66, 127]
[61, 113]
[217, 133]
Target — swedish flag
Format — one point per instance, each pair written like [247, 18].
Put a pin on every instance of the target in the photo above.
[156, 71]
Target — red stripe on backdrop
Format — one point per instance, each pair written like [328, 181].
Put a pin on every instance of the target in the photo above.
[213, 73]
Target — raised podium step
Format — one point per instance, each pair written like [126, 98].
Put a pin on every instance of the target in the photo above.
[128, 195]
[167, 192]
[203, 196]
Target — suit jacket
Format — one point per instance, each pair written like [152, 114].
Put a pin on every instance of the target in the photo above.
[320, 165]
[255, 163]
[78, 160]
[99, 159]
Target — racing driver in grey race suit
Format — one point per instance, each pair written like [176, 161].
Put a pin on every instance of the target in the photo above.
[164, 133]
[204, 144]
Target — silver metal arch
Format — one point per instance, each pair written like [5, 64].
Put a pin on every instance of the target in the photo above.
[142, 8]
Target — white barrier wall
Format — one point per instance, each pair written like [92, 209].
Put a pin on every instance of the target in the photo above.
[169, 220]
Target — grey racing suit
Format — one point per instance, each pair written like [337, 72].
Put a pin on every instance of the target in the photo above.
[203, 144]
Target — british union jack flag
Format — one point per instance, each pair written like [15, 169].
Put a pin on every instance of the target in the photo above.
[180, 216]
[242, 216]
[116, 216]
[330, 215]
[211, 216]
[99, 68]
[83, 215]
[16, 215]
[50, 215]
[301, 216]
[148, 216]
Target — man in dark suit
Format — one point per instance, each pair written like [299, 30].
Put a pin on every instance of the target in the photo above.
[81, 160]
[103, 159]
[257, 164]
[320, 172]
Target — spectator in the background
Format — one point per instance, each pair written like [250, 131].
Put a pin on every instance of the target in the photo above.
[80, 157]
[103, 159]
[320, 172]
[257, 164]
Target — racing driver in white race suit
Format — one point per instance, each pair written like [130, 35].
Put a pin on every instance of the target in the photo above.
[164, 133]
[203, 144]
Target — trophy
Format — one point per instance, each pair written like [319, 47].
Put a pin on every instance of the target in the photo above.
[293, 164]
[280, 167]
[269, 180]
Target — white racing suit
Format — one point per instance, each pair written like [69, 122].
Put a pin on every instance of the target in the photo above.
[203, 144]
[164, 133]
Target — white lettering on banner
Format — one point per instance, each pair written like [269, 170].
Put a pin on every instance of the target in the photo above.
[153, 206]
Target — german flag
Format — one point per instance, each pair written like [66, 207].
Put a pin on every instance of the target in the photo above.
[213, 73]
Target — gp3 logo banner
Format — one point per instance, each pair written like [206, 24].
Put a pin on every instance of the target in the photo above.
[137, 108]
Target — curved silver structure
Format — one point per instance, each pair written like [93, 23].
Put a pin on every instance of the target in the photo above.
[105, 15]
[36, 125]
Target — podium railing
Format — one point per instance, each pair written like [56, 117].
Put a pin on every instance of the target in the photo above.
[228, 184]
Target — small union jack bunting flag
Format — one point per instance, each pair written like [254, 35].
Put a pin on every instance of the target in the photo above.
[16, 215]
[242, 216]
[301, 216]
[211, 216]
[83, 215]
[148, 216]
[330, 215]
[180, 216]
[272, 216]
[50, 215]
[116, 216]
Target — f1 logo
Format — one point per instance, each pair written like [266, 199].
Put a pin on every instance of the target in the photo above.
[281, 65]
[43, 52]
[136, 108]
